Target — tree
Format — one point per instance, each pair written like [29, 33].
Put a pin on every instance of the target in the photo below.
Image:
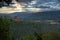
[4, 29]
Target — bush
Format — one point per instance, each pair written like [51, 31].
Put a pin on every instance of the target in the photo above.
[51, 36]
[29, 37]
[4, 28]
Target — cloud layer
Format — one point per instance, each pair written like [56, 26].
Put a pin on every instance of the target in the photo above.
[34, 6]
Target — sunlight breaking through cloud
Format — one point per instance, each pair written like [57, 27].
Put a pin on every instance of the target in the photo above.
[33, 6]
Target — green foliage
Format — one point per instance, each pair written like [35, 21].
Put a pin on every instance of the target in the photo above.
[36, 36]
[51, 36]
[4, 28]
[29, 37]
[44, 36]
[5, 24]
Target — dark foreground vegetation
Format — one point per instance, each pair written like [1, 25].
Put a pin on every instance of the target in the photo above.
[5, 33]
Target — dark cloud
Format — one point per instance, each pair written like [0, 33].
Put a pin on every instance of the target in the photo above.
[24, 0]
[58, 0]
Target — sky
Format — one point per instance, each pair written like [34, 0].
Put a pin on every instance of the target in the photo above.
[33, 6]
[37, 0]
[24, 1]
[53, 4]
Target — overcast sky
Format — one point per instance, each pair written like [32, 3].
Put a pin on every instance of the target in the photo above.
[35, 5]
[39, 0]
[24, 0]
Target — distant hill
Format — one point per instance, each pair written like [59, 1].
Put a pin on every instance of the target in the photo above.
[50, 15]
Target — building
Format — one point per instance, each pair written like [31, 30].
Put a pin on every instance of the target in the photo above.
[15, 18]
